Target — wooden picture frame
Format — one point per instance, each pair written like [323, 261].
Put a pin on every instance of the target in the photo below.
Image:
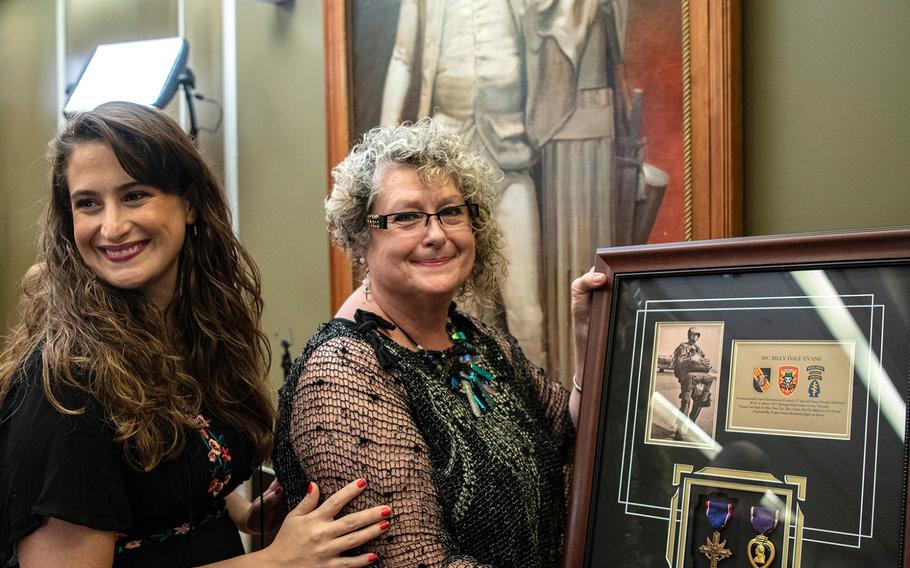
[712, 109]
[736, 280]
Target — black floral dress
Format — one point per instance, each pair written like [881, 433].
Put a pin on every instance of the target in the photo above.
[69, 468]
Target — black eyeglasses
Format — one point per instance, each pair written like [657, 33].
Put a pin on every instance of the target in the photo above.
[454, 216]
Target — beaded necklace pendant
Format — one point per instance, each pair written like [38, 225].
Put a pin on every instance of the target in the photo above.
[463, 373]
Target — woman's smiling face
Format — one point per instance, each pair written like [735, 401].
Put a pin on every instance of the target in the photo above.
[129, 234]
[429, 262]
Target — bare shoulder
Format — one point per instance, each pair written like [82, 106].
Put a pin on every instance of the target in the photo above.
[356, 301]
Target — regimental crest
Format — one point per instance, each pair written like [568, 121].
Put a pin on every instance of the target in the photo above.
[761, 379]
[787, 379]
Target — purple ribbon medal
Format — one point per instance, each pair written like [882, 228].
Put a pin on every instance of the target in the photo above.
[763, 520]
[761, 549]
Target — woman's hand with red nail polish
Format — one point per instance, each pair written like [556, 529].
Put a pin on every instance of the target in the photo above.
[312, 536]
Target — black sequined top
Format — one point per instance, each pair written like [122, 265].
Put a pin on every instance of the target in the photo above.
[464, 490]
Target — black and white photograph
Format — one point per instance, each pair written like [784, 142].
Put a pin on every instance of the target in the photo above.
[684, 375]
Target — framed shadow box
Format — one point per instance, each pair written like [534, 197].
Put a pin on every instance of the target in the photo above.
[745, 405]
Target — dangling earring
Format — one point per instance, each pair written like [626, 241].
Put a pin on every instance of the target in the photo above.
[366, 277]
[195, 234]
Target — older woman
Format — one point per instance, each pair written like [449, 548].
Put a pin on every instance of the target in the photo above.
[463, 437]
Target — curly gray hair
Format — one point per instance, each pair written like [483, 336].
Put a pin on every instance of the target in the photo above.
[438, 156]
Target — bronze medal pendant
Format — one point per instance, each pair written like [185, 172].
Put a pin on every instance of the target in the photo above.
[761, 549]
[761, 552]
[718, 512]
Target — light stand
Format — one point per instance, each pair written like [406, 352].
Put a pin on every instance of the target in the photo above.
[187, 80]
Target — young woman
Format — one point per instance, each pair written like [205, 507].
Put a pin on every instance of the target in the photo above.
[133, 389]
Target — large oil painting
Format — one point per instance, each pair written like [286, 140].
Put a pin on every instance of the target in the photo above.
[598, 112]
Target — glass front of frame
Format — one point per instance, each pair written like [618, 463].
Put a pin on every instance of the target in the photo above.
[737, 396]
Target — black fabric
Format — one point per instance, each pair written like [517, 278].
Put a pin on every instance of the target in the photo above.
[69, 468]
[464, 490]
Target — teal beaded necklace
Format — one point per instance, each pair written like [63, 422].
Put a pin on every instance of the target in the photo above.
[461, 370]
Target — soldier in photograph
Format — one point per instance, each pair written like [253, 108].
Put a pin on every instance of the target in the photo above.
[693, 371]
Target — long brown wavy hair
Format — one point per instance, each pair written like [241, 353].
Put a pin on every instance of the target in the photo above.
[151, 372]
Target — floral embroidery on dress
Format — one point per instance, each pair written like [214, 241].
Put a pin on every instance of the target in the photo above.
[131, 541]
[219, 456]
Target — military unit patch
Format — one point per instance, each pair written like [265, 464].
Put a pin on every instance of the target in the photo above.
[814, 374]
[761, 379]
[815, 388]
[787, 379]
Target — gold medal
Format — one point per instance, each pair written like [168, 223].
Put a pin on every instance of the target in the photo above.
[716, 549]
[761, 552]
[760, 549]
[718, 511]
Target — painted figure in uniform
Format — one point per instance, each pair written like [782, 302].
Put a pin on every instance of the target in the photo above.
[525, 81]
[572, 50]
[472, 77]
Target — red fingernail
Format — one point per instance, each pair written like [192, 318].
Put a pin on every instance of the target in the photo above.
[309, 488]
[361, 482]
[385, 512]
[383, 525]
[372, 558]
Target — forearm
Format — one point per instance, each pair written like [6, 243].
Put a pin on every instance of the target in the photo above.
[582, 288]
[575, 405]
[60, 543]
[238, 508]
[258, 559]
[577, 380]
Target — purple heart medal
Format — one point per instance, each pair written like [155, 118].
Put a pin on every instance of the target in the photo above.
[718, 512]
[761, 549]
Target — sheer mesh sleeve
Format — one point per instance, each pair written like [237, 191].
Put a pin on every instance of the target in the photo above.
[467, 488]
[350, 419]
